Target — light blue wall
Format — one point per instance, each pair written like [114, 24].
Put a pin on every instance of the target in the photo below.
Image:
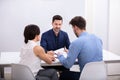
[101, 20]
[114, 26]
[15, 14]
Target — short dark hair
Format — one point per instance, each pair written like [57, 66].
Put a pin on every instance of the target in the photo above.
[56, 17]
[79, 22]
[30, 32]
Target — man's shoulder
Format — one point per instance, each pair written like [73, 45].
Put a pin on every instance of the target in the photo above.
[47, 32]
[78, 41]
[63, 32]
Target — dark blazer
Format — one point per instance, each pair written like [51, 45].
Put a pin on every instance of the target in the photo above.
[49, 41]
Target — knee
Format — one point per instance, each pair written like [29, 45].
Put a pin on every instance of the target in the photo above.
[52, 70]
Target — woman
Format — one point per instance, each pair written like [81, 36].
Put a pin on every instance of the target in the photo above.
[32, 54]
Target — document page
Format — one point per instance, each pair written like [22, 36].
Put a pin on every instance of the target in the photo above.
[60, 51]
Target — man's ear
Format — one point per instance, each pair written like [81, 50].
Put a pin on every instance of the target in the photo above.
[75, 27]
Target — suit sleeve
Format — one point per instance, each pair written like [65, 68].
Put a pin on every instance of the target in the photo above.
[43, 42]
[67, 41]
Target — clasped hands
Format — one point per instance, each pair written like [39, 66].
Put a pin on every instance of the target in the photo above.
[53, 55]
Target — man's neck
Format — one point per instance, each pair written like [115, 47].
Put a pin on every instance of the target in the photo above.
[81, 31]
[56, 33]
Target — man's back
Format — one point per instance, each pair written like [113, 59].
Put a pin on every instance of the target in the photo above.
[90, 48]
[87, 48]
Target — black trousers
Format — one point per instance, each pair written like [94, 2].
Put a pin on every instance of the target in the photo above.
[69, 75]
[47, 74]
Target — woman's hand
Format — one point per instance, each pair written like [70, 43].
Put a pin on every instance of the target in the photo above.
[50, 52]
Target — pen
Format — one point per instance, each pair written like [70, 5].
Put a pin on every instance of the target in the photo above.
[56, 55]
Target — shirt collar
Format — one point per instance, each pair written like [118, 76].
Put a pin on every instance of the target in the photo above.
[83, 33]
[54, 33]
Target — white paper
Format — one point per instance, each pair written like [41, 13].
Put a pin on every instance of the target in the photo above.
[60, 51]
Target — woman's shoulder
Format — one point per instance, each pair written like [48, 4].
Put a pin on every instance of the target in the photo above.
[37, 47]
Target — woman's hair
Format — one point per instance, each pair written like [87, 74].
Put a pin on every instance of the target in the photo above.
[30, 32]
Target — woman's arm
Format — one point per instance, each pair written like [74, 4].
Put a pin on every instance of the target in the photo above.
[39, 51]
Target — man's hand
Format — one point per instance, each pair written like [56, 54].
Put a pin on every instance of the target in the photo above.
[66, 50]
